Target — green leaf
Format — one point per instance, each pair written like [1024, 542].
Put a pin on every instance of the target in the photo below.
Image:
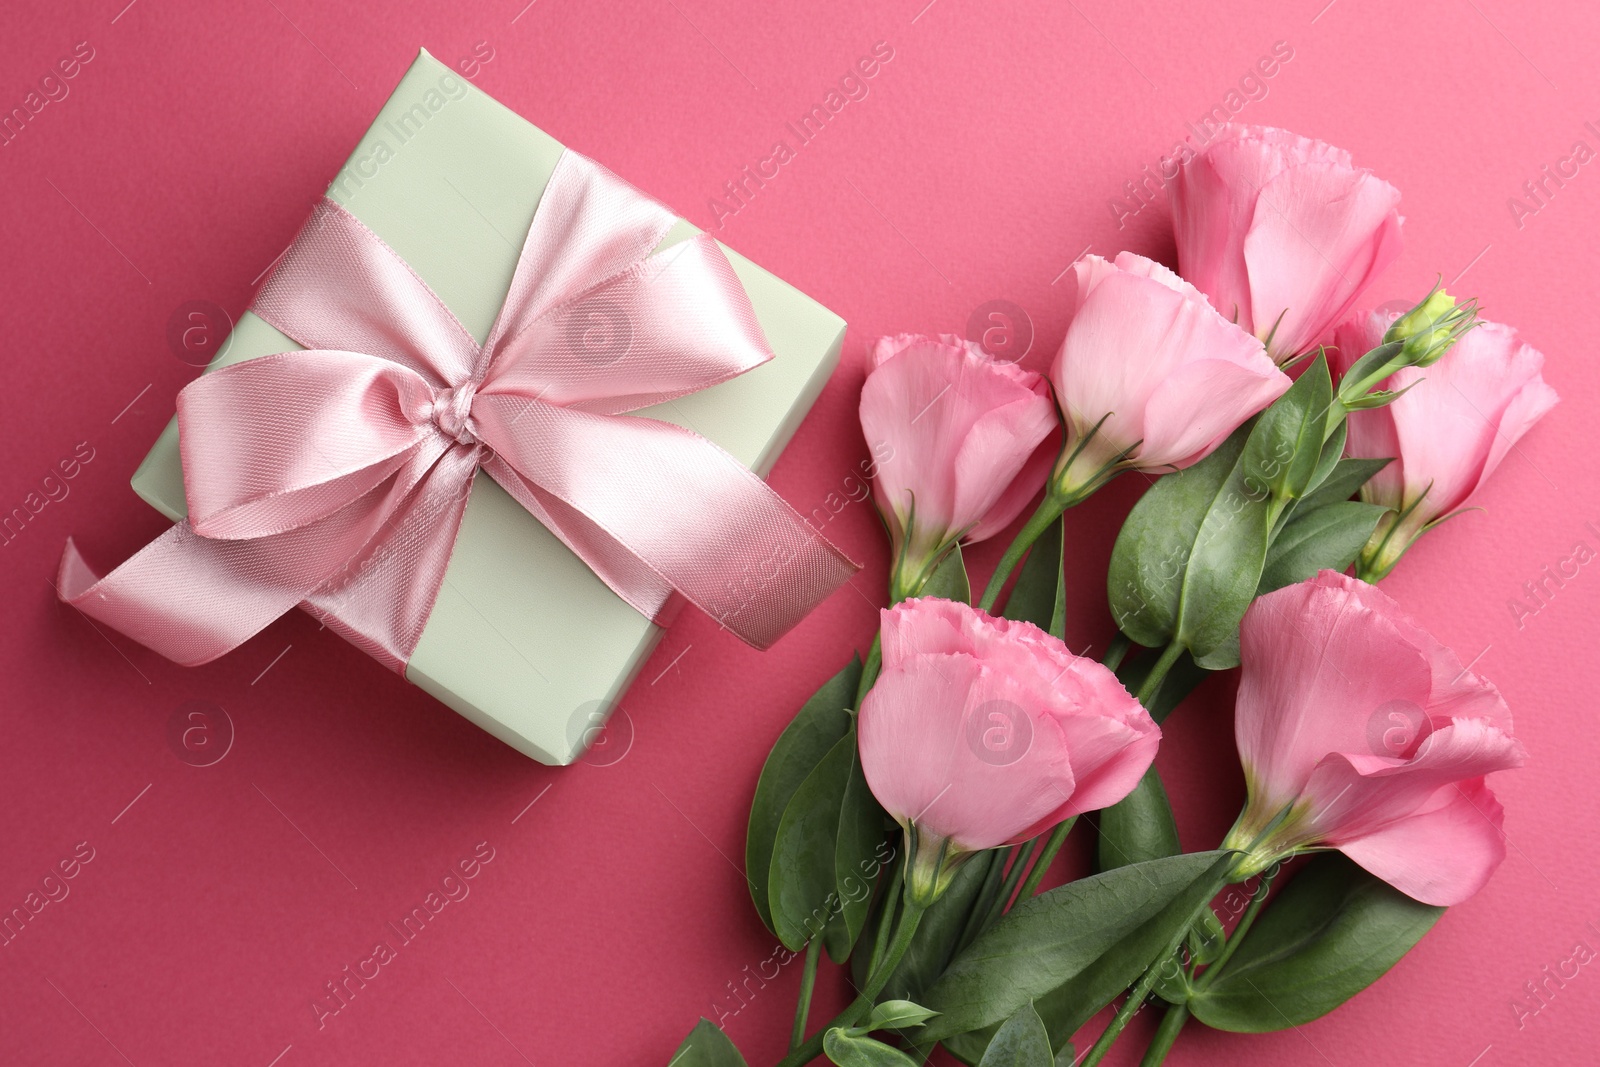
[1138, 828]
[1049, 939]
[1071, 1004]
[1332, 932]
[1021, 1042]
[706, 1046]
[855, 859]
[970, 1046]
[1144, 583]
[804, 889]
[1332, 450]
[1327, 537]
[1206, 938]
[1377, 399]
[1369, 370]
[1343, 482]
[818, 725]
[1172, 981]
[1280, 460]
[1034, 596]
[898, 1015]
[1186, 562]
[949, 579]
[1285, 447]
[984, 905]
[855, 1050]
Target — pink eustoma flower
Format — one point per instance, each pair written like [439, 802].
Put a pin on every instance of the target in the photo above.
[984, 732]
[1359, 731]
[955, 430]
[1149, 375]
[1283, 233]
[1447, 433]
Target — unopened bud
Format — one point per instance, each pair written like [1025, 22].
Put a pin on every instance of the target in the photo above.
[1428, 330]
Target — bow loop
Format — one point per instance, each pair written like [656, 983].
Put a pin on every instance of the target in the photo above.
[337, 426]
[339, 286]
[672, 324]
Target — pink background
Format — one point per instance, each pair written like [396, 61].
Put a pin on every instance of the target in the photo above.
[220, 899]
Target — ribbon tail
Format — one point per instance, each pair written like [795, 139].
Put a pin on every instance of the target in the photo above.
[381, 602]
[194, 598]
[628, 576]
[642, 493]
[182, 595]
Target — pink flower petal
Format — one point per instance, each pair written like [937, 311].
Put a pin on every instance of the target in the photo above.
[1213, 202]
[956, 428]
[997, 453]
[1023, 488]
[1322, 671]
[1361, 730]
[1456, 422]
[1131, 341]
[923, 756]
[1321, 233]
[985, 730]
[1353, 795]
[1270, 223]
[1442, 856]
[1201, 403]
[1109, 757]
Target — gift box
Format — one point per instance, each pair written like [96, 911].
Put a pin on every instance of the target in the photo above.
[523, 639]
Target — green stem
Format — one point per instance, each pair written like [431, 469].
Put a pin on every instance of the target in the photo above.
[1158, 673]
[1256, 901]
[978, 917]
[869, 670]
[1050, 509]
[891, 904]
[1058, 613]
[1114, 1029]
[1046, 857]
[1171, 1024]
[905, 929]
[1118, 650]
[808, 982]
[1013, 876]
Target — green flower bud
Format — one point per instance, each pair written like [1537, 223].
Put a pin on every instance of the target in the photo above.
[1428, 330]
[1419, 338]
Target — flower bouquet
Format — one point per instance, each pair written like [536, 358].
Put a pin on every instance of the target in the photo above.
[905, 819]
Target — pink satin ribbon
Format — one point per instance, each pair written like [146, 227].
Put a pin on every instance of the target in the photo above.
[335, 478]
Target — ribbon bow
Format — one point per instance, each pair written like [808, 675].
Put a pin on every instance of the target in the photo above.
[335, 478]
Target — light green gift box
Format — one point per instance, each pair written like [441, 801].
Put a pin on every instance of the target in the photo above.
[524, 639]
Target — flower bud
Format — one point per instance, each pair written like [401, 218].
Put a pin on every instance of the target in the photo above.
[1150, 376]
[1282, 233]
[1418, 338]
[1427, 331]
[958, 431]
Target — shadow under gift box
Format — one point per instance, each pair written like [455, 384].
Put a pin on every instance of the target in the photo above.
[524, 639]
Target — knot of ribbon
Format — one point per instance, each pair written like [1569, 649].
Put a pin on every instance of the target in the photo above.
[335, 477]
[452, 412]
